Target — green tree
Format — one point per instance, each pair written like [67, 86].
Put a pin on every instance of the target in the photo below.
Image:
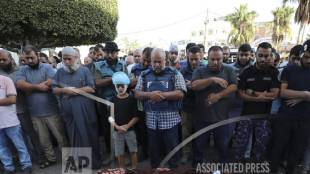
[281, 24]
[302, 16]
[242, 22]
[51, 23]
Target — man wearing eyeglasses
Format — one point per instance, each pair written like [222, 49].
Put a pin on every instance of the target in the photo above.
[258, 86]
[292, 124]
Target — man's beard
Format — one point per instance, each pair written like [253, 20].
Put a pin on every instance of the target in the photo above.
[158, 72]
[111, 61]
[34, 66]
[246, 63]
[214, 68]
[7, 68]
[72, 68]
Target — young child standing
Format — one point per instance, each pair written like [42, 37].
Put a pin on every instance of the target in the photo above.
[125, 107]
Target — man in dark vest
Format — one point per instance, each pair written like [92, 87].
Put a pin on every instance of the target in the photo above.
[162, 89]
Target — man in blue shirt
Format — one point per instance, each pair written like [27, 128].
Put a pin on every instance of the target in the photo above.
[188, 108]
[291, 128]
[35, 80]
[144, 64]
[105, 88]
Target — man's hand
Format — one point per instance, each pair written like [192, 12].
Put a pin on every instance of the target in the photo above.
[121, 129]
[307, 95]
[262, 96]
[70, 91]
[293, 102]
[213, 98]
[188, 83]
[223, 83]
[156, 96]
[43, 86]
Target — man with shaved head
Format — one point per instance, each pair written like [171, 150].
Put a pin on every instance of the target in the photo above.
[137, 54]
[35, 79]
[7, 68]
[162, 89]
[78, 112]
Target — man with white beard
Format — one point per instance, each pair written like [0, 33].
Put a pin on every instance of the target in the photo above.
[78, 112]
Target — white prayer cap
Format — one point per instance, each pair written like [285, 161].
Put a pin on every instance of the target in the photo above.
[69, 51]
[173, 48]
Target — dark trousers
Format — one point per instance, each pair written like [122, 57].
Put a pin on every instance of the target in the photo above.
[261, 135]
[221, 136]
[140, 129]
[163, 141]
[292, 134]
[104, 125]
[34, 145]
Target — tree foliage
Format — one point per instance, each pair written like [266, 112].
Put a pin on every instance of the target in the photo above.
[51, 23]
[281, 23]
[302, 14]
[242, 22]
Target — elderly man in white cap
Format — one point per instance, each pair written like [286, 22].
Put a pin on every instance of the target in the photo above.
[78, 111]
[42, 105]
[173, 56]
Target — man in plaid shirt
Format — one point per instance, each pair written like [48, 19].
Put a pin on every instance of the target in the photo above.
[162, 89]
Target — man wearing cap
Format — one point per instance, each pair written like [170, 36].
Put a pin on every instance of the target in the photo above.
[78, 111]
[292, 124]
[104, 86]
[35, 79]
[173, 56]
[161, 88]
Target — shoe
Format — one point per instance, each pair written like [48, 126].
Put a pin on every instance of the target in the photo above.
[52, 163]
[44, 164]
[27, 170]
[304, 171]
[107, 161]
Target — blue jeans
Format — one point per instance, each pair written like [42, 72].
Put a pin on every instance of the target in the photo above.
[222, 137]
[15, 134]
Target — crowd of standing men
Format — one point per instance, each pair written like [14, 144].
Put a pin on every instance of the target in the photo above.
[165, 101]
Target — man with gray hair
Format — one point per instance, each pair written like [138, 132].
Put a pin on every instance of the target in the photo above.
[78, 111]
[35, 80]
[162, 89]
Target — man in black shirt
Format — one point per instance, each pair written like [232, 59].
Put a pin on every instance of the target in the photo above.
[258, 86]
[291, 127]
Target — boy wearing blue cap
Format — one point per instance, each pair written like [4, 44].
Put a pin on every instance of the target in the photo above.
[125, 118]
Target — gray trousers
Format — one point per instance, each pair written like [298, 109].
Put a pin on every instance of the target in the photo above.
[54, 124]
